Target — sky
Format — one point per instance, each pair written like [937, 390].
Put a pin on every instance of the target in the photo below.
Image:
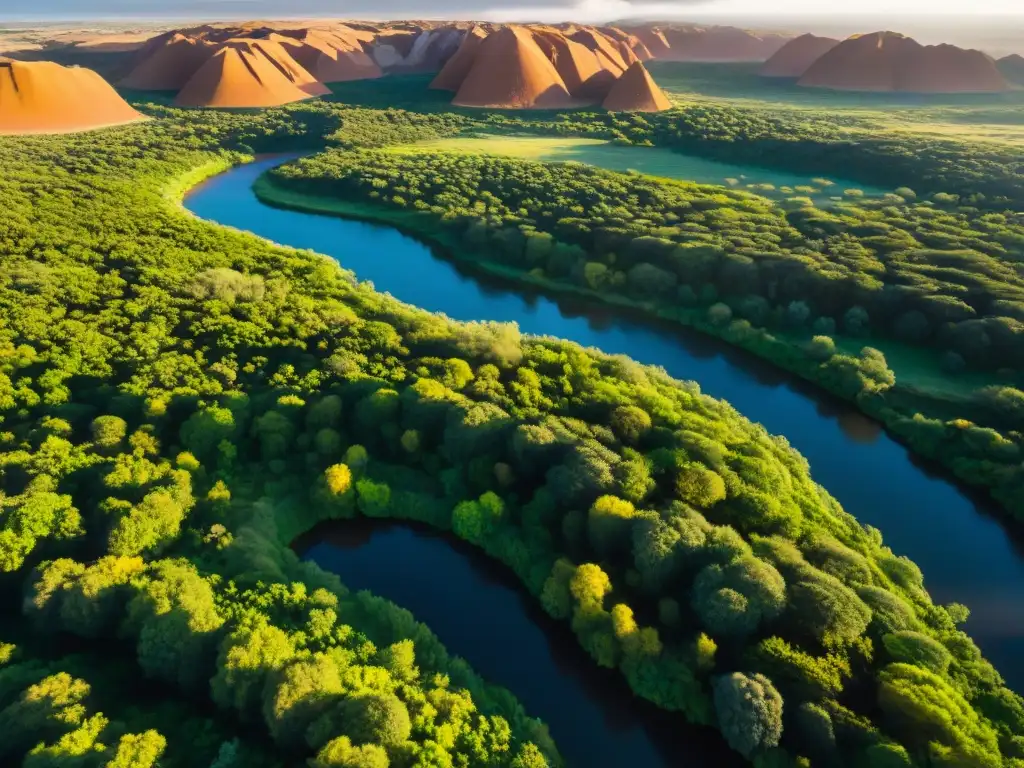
[577, 10]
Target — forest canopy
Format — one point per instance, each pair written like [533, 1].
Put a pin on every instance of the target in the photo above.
[180, 401]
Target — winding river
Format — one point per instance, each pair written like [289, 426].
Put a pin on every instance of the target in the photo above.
[965, 553]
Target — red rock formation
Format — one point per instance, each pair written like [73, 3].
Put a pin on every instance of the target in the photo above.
[654, 40]
[279, 56]
[330, 59]
[606, 48]
[635, 44]
[887, 61]
[580, 68]
[688, 42]
[43, 97]
[636, 91]
[510, 71]
[457, 67]
[167, 66]
[235, 77]
[796, 56]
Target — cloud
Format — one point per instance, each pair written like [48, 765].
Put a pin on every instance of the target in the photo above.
[543, 10]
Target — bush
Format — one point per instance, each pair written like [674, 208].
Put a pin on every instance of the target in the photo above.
[720, 314]
[821, 348]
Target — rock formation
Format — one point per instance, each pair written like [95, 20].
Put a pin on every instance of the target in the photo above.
[1012, 68]
[654, 40]
[634, 43]
[330, 61]
[579, 67]
[796, 56]
[279, 56]
[510, 71]
[636, 91]
[457, 67]
[168, 64]
[689, 42]
[887, 61]
[609, 53]
[43, 97]
[238, 77]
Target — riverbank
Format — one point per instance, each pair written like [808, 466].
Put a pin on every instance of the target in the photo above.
[876, 481]
[511, 641]
[896, 408]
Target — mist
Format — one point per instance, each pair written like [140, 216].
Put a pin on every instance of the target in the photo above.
[995, 26]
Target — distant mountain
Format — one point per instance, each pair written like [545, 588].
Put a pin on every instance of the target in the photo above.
[796, 56]
[1012, 68]
[672, 41]
[888, 61]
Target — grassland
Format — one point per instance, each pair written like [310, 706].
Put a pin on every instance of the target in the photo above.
[652, 161]
[968, 117]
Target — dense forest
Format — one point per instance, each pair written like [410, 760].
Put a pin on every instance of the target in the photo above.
[181, 401]
[784, 279]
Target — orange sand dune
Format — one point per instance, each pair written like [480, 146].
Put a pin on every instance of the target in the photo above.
[636, 91]
[169, 65]
[603, 46]
[235, 77]
[328, 63]
[635, 44]
[279, 56]
[796, 56]
[43, 97]
[887, 61]
[579, 67]
[457, 67]
[510, 71]
[654, 39]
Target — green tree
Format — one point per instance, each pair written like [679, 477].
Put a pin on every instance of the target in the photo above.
[374, 718]
[608, 525]
[630, 423]
[700, 486]
[749, 712]
[342, 753]
[735, 599]
[108, 432]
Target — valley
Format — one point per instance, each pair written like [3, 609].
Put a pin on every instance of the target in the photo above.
[448, 393]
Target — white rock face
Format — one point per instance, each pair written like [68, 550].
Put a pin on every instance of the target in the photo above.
[386, 56]
[419, 49]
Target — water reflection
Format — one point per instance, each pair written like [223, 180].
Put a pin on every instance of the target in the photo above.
[480, 611]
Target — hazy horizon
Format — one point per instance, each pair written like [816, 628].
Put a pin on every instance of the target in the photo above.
[996, 26]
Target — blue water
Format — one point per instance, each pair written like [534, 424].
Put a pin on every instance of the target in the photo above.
[965, 553]
[478, 608]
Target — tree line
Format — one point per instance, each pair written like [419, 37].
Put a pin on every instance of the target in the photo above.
[785, 280]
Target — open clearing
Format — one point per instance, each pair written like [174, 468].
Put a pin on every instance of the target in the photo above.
[647, 160]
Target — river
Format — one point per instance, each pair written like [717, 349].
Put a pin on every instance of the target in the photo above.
[480, 610]
[966, 554]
